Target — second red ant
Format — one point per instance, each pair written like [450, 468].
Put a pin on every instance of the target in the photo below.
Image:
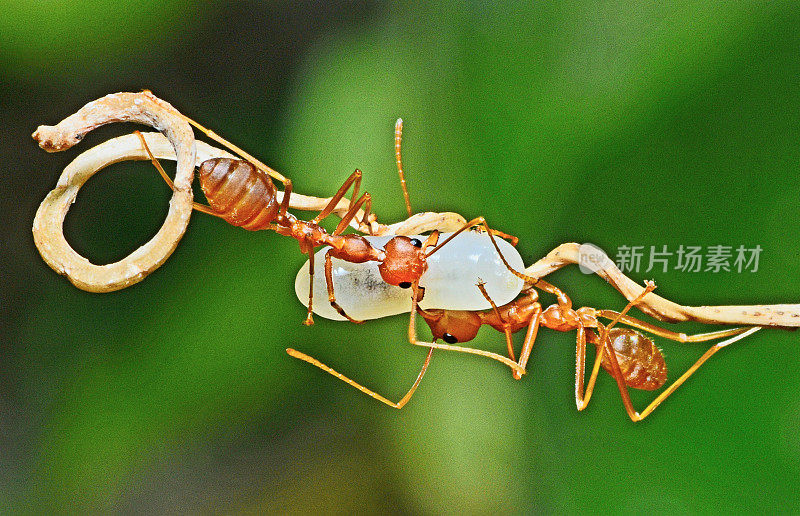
[630, 357]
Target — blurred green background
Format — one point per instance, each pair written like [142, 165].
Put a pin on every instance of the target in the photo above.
[606, 122]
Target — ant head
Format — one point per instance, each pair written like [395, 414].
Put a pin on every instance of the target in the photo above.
[452, 326]
[404, 261]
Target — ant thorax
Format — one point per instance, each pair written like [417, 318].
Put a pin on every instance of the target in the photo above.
[450, 281]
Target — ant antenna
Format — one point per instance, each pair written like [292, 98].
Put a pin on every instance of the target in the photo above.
[398, 136]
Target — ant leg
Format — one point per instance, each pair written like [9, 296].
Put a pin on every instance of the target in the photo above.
[499, 316]
[432, 239]
[496, 232]
[649, 287]
[219, 139]
[400, 404]
[511, 238]
[582, 396]
[667, 334]
[354, 206]
[329, 266]
[155, 162]
[398, 137]
[509, 344]
[287, 183]
[412, 338]
[365, 199]
[475, 222]
[616, 317]
[287, 193]
[329, 283]
[196, 205]
[482, 222]
[563, 300]
[355, 181]
[527, 344]
[623, 389]
[310, 317]
[367, 218]
[530, 335]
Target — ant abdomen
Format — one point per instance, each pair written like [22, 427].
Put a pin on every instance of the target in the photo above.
[640, 361]
[239, 193]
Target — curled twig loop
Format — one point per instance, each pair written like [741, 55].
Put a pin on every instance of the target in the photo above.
[48, 234]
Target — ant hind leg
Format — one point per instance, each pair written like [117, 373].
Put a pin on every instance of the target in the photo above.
[623, 388]
[582, 396]
[196, 205]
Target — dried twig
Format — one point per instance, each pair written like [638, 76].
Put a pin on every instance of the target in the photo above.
[177, 142]
[48, 224]
[664, 309]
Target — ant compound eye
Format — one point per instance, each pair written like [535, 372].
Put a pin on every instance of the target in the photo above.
[449, 338]
[405, 284]
[416, 242]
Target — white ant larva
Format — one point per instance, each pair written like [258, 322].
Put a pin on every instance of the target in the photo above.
[449, 281]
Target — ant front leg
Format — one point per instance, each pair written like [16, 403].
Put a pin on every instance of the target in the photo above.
[496, 310]
[480, 221]
[511, 238]
[400, 404]
[329, 284]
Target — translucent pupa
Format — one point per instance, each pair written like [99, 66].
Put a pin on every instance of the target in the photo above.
[449, 281]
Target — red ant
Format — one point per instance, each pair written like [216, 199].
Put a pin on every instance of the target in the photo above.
[630, 357]
[238, 193]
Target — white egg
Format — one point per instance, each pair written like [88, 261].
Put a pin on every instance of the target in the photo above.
[450, 281]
